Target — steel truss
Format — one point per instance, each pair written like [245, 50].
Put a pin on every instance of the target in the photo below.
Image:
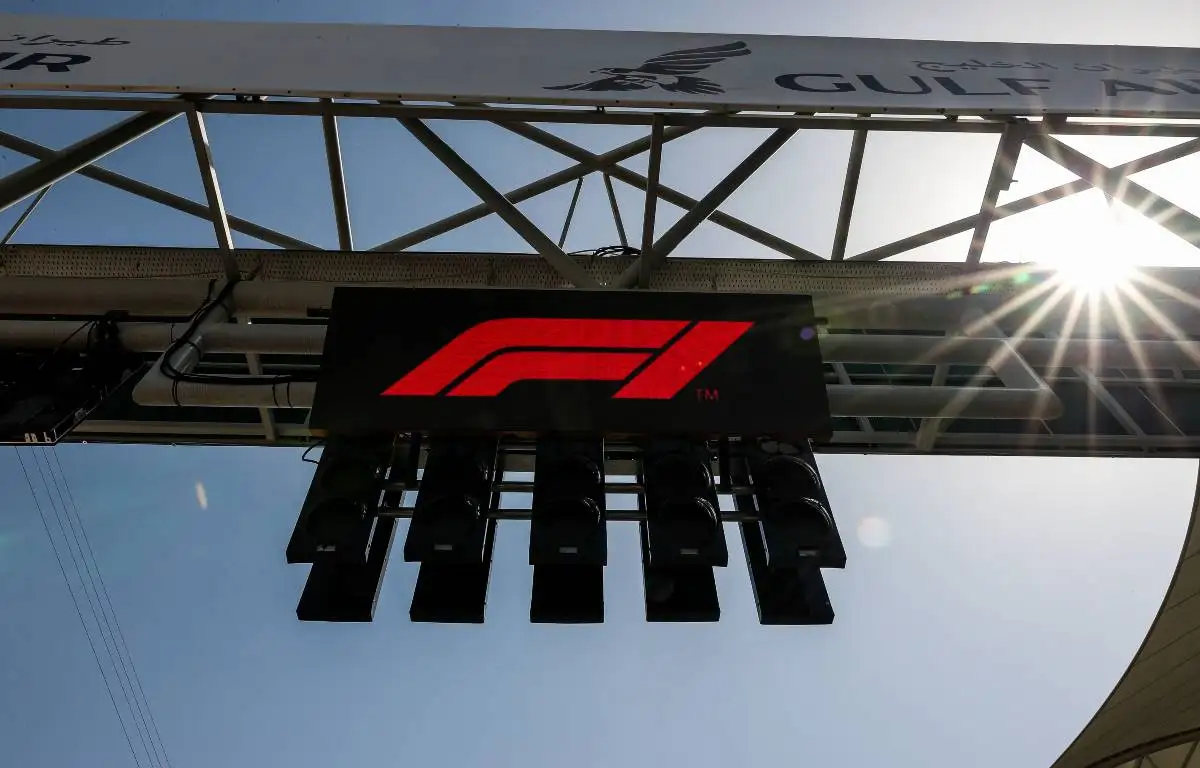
[920, 357]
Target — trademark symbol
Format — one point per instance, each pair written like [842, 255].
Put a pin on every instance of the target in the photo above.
[704, 394]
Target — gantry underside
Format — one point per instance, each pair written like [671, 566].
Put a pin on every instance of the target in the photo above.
[1125, 381]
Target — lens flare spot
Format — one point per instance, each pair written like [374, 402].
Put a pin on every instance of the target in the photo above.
[874, 532]
[1098, 259]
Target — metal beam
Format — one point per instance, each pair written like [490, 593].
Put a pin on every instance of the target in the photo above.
[34, 178]
[1179, 222]
[616, 210]
[562, 263]
[264, 414]
[928, 430]
[24, 217]
[521, 194]
[640, 270]
[562, 238]
[705, 207]
[157, 195]
[212, 191]
[843, 377]
[1000, 179]
[640, 182]
[912, 242]
[907, 296]
[858, 148]
[965, 122]
[220, 221]
[337, 179]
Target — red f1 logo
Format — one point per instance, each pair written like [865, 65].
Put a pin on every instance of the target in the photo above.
[497, 353]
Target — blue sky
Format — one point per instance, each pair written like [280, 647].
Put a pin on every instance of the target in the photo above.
[985, 627]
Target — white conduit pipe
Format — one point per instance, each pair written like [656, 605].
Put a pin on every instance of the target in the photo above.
[156, 337]
[835, 348]
[156, 389]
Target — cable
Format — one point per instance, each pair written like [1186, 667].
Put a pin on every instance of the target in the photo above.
[109, 645]
[78, 612]
[309, 449]
[106, 599]
[168, 369]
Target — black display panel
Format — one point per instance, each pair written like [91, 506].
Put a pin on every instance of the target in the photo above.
[608, 362]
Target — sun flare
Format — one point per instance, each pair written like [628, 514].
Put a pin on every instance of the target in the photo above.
[1100, 257]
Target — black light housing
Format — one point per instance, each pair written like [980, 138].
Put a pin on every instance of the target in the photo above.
[568, 514]
[450, 518]
[784, 596]
[682, 537]
[794, 535]
[678, 593]
[335, 520]
[342, 588]
[568, 541]
[567, 594]
[683, 518]
[795, 521]
[454, 593]
[452, 533]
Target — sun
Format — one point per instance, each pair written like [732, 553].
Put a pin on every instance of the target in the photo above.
[1095, 272]
[1098, 257]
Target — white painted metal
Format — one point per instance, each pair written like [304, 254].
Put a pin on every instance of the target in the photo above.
[836, 348]
[595, 68]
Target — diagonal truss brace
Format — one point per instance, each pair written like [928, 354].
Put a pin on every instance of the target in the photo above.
[521, 194]
[157, 195]
[967, 223]
[34, 178]
[1179, 222]
[704, 208]
[1008, 150]
[634, 179]
[555, 256]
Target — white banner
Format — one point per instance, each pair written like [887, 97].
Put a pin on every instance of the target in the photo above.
[534, 66]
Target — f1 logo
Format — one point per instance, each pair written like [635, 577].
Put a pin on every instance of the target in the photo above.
[487, 358]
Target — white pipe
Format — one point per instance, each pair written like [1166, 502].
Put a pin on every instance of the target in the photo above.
[155, 388]
[898, 401]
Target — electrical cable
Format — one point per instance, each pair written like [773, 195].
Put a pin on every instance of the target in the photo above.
[309, 449]
[84, 579]
[168, 369]
[131, 671]
[78, 611]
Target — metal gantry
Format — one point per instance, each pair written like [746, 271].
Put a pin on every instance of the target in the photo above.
[967, 358]
[962, 358]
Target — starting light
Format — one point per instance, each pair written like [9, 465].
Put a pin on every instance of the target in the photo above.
[348, 522]
[678, 592]
[335, 519]
[683, 519]
[452, 532]
[795, 522]
[338, 531]
[454, 593]
[568, 542]
[794, 535]
[682, 537]
[450, 519]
